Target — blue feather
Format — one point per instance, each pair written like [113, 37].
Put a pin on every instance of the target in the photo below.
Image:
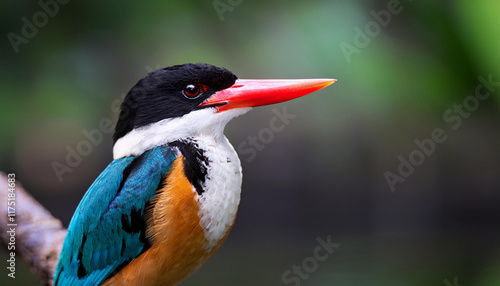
[107, 229]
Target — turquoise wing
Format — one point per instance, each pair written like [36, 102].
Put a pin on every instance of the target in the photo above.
[107, 230]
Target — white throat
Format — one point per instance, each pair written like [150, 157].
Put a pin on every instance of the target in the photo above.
[204, 122]
[221, 197]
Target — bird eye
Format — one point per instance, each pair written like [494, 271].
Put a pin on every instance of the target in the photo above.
[193, 90]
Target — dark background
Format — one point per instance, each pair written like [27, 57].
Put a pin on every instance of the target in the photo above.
[323, 175]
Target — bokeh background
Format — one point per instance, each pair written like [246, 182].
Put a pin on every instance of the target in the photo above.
[323, 175]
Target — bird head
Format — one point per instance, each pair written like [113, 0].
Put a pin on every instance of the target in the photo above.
[192, 100]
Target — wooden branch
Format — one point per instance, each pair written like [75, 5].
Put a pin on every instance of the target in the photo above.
[38, 235]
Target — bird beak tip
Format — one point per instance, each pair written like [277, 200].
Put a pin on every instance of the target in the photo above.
[251, 92]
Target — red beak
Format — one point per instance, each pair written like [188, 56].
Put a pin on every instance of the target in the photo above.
[253, 92]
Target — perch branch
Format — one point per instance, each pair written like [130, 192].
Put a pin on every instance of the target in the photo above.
[38, 235]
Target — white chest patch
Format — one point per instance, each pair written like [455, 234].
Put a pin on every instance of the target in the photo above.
[221, 197]
[222, 187]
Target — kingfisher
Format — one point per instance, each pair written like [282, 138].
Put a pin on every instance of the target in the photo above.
[169, 198]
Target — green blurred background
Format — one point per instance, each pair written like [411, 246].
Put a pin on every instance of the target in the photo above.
[323, 175]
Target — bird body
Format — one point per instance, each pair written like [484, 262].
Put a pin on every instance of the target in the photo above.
[180, 221]
[169, 198]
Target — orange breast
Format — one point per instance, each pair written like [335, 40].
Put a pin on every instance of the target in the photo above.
[178, 239]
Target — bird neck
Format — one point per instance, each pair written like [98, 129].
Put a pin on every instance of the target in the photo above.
[221, 187]
[205, 123]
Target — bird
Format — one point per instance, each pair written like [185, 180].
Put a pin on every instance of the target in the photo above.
[169, 198]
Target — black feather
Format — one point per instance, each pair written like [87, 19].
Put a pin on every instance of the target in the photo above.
[159, 94]
[195, 163]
